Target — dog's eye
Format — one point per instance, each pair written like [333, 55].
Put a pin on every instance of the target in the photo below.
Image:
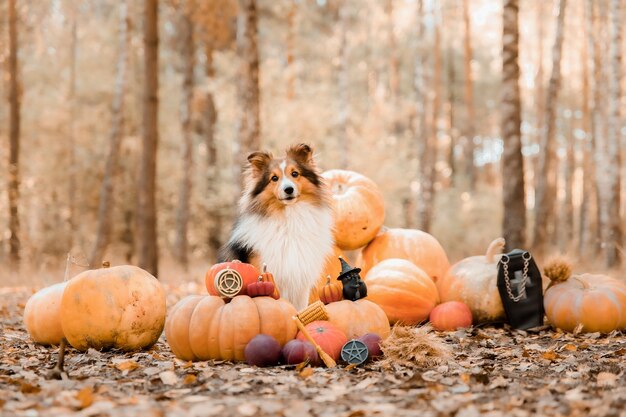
[274, 178]
[295, 174]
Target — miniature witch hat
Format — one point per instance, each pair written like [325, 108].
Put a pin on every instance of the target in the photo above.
[346, 269]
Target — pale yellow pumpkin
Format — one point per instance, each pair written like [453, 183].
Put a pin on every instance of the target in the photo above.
[205, 327]
[356, 318]
[359, 208]
[589, 302]
[414, 245]
[405, 292]
[42, 315]
[120, 307]
[474, 281]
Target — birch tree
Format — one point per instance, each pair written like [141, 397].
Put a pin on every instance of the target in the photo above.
[14, 137]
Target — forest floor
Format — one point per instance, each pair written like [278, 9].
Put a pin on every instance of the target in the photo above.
[493, 372]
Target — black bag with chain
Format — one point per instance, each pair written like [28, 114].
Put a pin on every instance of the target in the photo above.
[521, 291]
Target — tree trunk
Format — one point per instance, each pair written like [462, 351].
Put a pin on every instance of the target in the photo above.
[394, 67]
[451, 80]
[146, 210]
[587, 220]
[187, 55]
[71, 134]
[214, 240]
[105, 208]
[470, 114]
[613, 241]
[514, 197]
[14, 138]
[569, 167]
[598, 121]
[342, 86]
[249, 125]
[291, 34]
[426, 76]
[546, 175]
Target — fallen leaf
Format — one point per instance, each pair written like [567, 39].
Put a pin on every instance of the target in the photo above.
[127, 366]
[26, 388]
[550, 355]
[247, 409]
[190, 379]
[306, 372]
[85, 397]
[606, 379]
[168, 377]
[570, 347]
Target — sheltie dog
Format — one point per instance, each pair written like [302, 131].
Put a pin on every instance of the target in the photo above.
[285, 221]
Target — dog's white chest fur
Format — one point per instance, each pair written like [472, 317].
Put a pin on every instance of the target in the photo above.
[294, 246]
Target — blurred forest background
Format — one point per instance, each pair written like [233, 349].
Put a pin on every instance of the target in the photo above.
[125, 123]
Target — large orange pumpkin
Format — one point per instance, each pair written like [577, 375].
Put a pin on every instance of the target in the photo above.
[42, 315]
[359, 208]
[356, 318]
[474, 281]
[120, 307]
[594, 303]
[402, 290]
[328, 336]
[205, 327]
[332, 267]
[414, 245]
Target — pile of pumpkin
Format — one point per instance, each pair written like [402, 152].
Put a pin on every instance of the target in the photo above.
[407, 273]
[256, 325]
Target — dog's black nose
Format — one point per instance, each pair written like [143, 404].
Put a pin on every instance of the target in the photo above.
[289, 190]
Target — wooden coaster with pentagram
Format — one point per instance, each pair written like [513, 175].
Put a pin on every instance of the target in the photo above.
[228, 283]
[355, 352]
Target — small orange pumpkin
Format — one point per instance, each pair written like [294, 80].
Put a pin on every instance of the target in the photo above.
[359, 208]
[328, 336]
[402, 290]
[332, 268]
[247, 274]
[331, 292]
[414, 245]
[592, 303]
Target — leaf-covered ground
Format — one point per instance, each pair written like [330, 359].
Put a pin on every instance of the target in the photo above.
[494, 372]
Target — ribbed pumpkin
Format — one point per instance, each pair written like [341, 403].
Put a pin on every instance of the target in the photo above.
[249, 274]
[402, 290]
[269, 277]
[332, 267]
[359, 208]
[121, 307]
[474, 281]
[331, 291]
[414, 245]
[597, 303]
[42, 315]
[356, 318]
[205, 327]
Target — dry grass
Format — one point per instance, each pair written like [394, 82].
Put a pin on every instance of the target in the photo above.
[414, 347]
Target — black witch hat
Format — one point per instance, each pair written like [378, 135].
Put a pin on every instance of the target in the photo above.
[346, 269]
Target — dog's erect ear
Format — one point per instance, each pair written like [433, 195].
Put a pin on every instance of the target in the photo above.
[259, 160]
[301, 153]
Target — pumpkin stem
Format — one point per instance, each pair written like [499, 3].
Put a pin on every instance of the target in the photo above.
[584, 283]
[495, 248]
[106, 264]
[264, 268]
[328, 279]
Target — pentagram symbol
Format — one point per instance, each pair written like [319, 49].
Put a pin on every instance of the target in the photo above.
[228, 283]
[355, 352]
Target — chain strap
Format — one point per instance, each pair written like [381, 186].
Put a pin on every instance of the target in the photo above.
[526, 256]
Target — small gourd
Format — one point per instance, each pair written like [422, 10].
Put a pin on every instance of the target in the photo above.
[261, 288]
[268, 277]
[331, 292]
